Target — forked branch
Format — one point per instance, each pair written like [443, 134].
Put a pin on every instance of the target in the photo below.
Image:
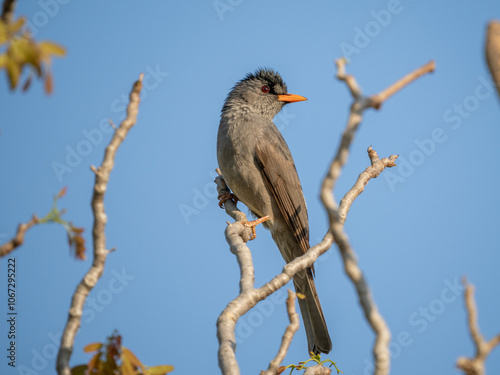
[337, 214]
[98, 234]
[475, 366]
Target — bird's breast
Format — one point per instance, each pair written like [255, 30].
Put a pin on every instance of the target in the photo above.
[236, 157]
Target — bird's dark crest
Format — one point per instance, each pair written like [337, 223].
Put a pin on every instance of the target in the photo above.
[266, 74]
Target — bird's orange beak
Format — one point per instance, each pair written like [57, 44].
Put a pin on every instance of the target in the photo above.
[291, 98]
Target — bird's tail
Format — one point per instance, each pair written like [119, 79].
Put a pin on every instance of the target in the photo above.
[318, 339]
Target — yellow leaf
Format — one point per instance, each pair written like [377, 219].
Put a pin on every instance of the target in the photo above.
[94, 363]
[3, 60]
[132, 358]
[13, 72]
[127, 368]
[25, 51]
[49, 48]
[160, 370]
[92, 347]
[3, 33]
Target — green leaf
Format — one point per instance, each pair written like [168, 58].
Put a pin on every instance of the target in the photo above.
[92, 347]
[160, 370]
[50, 48]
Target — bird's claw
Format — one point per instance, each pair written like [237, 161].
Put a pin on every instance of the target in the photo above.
[226, 197]
[252, 224]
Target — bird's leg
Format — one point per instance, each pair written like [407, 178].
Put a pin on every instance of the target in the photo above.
[225, 197]
[253, 224]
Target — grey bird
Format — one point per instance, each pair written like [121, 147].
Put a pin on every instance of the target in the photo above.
[258, 167]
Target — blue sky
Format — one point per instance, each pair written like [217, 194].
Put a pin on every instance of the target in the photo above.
[417, 230]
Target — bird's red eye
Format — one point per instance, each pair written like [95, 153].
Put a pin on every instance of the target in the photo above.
[265, 89]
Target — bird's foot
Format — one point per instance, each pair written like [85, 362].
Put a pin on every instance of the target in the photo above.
[226, 197]
[252, 224]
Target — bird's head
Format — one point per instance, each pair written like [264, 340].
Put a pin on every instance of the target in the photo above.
[262, 92]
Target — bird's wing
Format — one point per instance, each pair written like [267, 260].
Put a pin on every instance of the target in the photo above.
[280, 175]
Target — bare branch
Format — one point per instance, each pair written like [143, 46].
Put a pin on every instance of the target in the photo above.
[337, 215]
[356, 116]
[475, 366]
[378, 165]
[246, 300]
[493, 52]
[98, 234]
[288, 335]
[377, 100]
[18, 239]
[381, 346]
[318, 370]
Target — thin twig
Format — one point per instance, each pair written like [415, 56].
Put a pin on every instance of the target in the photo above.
[18, 239]
[373, 171]
[475, 366]
[294, 325]
[98, 234]
[377, 100]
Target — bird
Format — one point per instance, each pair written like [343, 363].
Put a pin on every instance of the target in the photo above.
[258, 167]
